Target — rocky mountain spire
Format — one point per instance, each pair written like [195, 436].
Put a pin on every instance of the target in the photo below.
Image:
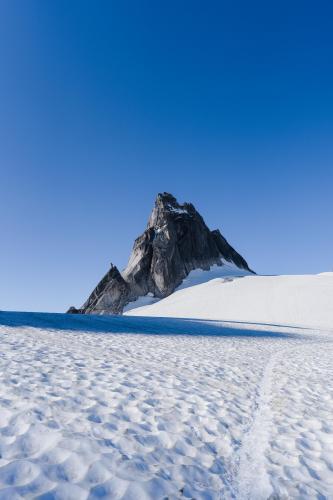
[175, 242]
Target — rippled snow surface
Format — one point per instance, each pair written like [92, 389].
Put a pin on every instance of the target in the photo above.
[149, 408]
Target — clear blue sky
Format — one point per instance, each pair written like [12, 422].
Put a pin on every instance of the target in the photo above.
[227, 104]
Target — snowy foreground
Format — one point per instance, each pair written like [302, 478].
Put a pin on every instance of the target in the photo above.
[149, 408]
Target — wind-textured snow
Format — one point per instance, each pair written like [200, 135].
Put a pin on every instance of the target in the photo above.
[150, 408]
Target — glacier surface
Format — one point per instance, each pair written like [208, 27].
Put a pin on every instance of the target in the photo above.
[154, 408]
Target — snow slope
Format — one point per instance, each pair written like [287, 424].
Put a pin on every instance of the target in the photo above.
[196, 277]
[284, 300]
[151, 408]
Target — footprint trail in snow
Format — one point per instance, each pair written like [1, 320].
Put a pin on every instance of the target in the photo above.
[204, 410]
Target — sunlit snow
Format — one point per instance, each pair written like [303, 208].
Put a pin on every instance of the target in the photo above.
[152, 408]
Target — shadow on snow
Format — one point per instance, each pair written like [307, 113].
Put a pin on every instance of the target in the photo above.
[141, 325]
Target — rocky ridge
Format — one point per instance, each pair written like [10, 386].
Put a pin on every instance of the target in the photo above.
[176, 242]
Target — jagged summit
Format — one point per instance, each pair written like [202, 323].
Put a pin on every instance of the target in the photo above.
[176, 242]
[165, 203]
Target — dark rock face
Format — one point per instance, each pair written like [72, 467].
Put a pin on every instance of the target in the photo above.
[111, 294]
[175, 242]
[73, 310]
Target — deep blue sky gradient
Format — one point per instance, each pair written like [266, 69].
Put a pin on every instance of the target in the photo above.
[103, 104]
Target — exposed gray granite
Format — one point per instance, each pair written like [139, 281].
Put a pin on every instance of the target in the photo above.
[175, 242]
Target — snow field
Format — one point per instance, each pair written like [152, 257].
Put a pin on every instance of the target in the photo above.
[206, 411]
[304, 300]
[300, 449]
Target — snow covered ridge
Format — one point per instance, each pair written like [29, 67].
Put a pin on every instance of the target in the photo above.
[227, 271]
[151, 408]
[304, 300]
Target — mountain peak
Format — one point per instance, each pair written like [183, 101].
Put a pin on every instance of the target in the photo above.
[166, 206]
[169, 202]
[165, 197]
[176, 242]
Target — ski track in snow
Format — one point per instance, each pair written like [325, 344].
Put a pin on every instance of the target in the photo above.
[287, 450]
[98, 413]
[253, 480]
